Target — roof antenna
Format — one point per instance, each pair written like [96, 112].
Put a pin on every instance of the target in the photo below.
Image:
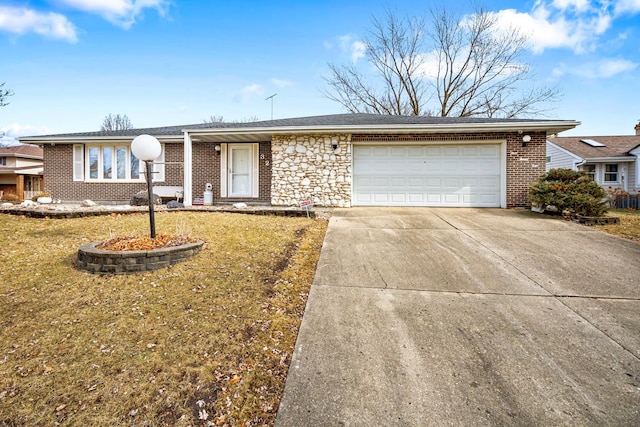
[271, 98]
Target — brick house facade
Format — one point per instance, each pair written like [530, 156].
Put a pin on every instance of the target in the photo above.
[284, 162]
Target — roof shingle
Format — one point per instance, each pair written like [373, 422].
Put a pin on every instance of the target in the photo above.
[615, 146]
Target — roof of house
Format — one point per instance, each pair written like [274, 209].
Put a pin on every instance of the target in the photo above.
[26, 151]
[344, 122]
[613, 146]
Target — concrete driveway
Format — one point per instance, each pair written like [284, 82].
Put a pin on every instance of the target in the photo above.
[421, 316]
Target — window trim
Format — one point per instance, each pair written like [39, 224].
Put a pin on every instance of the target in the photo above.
[607, 172]
[591, 170]
[81, 156]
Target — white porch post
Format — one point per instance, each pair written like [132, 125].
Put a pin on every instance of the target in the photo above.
[188, 171]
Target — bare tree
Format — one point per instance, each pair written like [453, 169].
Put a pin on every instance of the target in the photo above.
[218, 118]
[4, 94]
[480, 71]
[393, 49]
[116, 122]
[459, 66]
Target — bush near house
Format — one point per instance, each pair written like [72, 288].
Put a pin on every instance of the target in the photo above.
[569, 190]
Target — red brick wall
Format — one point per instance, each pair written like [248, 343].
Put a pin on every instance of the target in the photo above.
[206, 169]
[58, 175]
[524, 164]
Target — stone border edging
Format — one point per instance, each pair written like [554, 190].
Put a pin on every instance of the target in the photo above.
[99, 261]
[80, 213]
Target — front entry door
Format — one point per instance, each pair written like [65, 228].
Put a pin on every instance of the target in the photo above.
[240, 170]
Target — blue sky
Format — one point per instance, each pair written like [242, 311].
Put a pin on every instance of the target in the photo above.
[163, 62]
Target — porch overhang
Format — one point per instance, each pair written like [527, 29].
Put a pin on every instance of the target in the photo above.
[256, 134]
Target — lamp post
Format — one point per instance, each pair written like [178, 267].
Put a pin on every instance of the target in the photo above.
[147, 148]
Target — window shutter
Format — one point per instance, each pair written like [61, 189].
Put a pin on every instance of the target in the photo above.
[78, 162]
[158, 167]
[256, 163]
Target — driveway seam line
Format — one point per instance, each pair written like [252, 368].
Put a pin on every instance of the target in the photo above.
[551, 295]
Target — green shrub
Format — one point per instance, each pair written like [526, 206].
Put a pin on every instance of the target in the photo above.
[569, 190]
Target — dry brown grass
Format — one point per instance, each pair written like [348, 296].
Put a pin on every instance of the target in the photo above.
[205, 342]
[629, 226]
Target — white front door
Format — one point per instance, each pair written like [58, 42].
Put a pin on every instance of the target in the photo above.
[240, 170]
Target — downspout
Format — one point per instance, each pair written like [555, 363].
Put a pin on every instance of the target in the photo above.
[187, 170]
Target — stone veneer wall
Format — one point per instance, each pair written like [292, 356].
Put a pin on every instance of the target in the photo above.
[306, 167]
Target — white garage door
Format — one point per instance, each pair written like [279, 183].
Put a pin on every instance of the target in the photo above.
[442, 175]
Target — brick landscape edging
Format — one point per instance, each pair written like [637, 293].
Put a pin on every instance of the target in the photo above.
[99, 261]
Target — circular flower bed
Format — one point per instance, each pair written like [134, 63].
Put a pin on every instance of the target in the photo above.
[123, 255]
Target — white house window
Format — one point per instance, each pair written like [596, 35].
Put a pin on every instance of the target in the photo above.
[3, 161]
[611, 173]
[111, 163]
[591, 171]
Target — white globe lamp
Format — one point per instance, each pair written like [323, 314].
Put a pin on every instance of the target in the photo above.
[147, 148]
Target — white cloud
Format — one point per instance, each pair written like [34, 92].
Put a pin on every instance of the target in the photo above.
[356, 49]
[572, 24]
[627, 6]
[16, 130]
[610, 67]
[603, 69]
[119, 12]
[249, 92]
[281, 82]
[21, 20]
[579, 5]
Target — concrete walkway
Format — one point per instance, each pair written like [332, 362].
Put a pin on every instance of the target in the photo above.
[422, 316]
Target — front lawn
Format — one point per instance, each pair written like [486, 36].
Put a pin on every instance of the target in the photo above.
[205, 342]
[629, 227]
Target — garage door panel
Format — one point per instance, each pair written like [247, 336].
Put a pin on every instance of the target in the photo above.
[434, 199]
[434, 183]
[381, 197]
[451, 199]
[447, 175]
[416, 198]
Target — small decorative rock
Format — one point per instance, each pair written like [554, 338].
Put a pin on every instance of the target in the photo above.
[88, 203]
[172, 204]
[239, 205]
[141, 199]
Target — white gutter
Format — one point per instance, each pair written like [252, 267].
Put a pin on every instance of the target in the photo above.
[42, 140]
[552, 126]
[609, 159]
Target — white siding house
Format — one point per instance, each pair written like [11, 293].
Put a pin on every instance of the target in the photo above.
[611, 161]
[559, 158]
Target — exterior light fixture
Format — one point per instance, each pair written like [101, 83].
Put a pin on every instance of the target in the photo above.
[217, 148]
[147, 148]
[334, 146]
[525, 140]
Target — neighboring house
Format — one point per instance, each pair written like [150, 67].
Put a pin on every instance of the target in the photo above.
[338, 160]
[611, 161]
[21, 170]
